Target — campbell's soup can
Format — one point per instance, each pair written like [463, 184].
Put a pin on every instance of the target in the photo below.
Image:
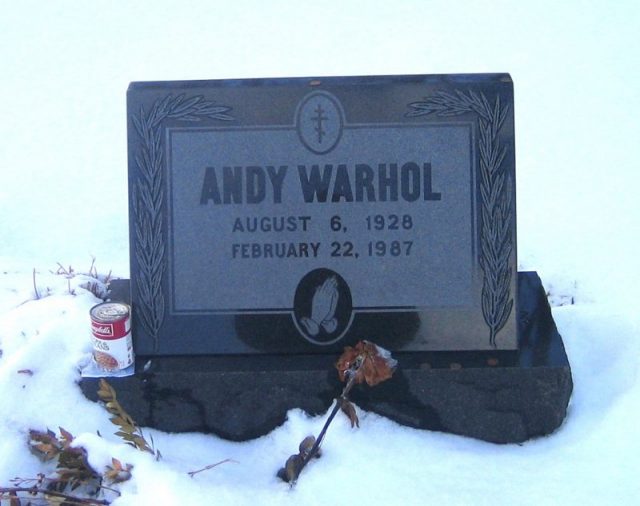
[111, 328]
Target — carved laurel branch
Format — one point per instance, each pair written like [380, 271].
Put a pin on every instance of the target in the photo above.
[147, 198]
[496, 191]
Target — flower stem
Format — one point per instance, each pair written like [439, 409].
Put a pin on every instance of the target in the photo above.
[316, 446]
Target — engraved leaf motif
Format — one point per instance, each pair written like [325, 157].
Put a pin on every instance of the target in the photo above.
[147, 197]
[495, 189]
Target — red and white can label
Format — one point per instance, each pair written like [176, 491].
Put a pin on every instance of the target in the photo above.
[111, 331]
[112, 342]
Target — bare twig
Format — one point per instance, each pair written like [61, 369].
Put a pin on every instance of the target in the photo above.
[210, 466]
[35, 288]
[69, 499]
[65, 272]
[93, 272]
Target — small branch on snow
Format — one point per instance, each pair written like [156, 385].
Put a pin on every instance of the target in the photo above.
[35, 288]
[69, 499]
[210, 466]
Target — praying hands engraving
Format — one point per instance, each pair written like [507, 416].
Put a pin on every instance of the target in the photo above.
[323, 308]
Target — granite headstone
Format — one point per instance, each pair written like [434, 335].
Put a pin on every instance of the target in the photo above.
[274, 221]
[297, 216]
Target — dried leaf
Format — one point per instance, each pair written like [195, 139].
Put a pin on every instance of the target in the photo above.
[13, 499]
[54, 500]
[129, 431]
[378, 365]
[72, 468]
[44, 445]
[66, 437]
[369, 363]
[106, 391]
[306, 445]
[140, 442]
[117, 473]
[45, 451]
[347, 362]
[292, 468]
[45, 437]
[124, 424]
[349, 409]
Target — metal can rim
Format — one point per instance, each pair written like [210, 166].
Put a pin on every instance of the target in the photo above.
[93, 312]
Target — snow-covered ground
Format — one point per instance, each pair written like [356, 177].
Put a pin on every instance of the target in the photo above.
[65, 69]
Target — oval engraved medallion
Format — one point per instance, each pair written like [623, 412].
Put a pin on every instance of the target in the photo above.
[322, 307]
[319, 122]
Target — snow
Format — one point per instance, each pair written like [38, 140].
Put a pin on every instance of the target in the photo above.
[66, 66]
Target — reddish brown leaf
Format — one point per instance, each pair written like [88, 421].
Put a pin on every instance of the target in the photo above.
[116, 472]
[44, 445]
[306, 445]
[45, 451]
[368, 362]
[66, 437]
[292, 468]
[378, 365]
[13, 499]
[346, 362]
[350, 410]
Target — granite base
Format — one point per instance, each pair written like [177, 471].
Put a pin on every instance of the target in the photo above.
[501, 397]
